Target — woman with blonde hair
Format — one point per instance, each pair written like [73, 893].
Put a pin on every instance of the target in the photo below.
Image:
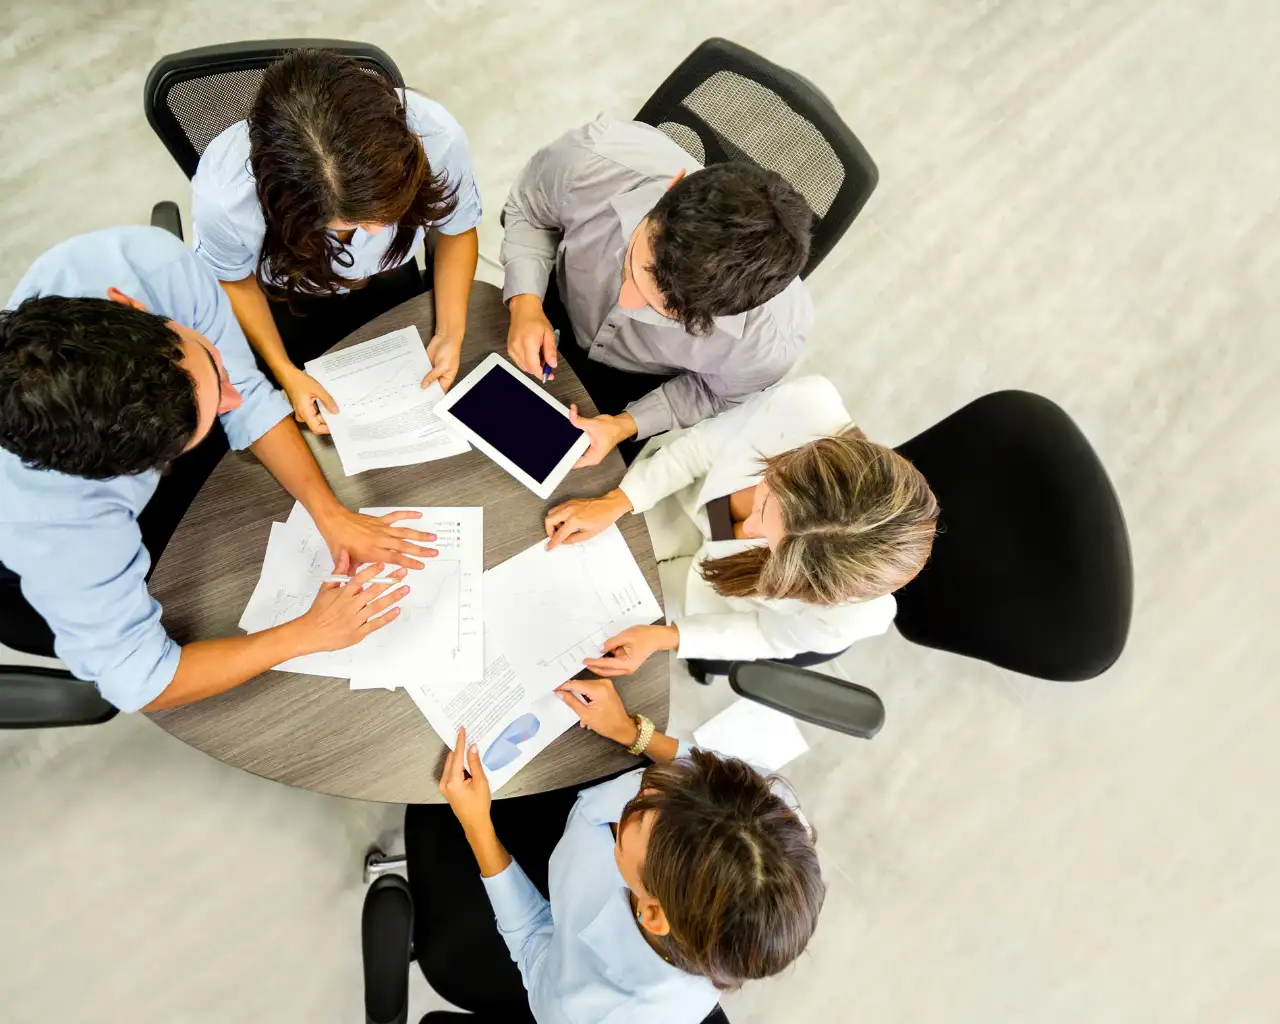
[780, 529]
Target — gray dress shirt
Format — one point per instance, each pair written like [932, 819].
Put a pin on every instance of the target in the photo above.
[574, 207]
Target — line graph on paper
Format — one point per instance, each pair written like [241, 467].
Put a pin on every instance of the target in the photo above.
[398, 384]
[432, 611]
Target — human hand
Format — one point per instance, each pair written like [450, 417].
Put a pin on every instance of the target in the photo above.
[582, 518]
[627, 651]
[343, 614]
[466, 790]
[303, 391]
[531, 340]
[365, 538]
[444, 351]
[602, 712]
[605, 433]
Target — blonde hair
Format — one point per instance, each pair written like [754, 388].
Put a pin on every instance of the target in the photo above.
[858, 519]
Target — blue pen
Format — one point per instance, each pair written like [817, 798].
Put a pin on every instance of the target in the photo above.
[546, 370]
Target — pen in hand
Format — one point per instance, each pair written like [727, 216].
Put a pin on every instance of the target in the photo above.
[546, 370]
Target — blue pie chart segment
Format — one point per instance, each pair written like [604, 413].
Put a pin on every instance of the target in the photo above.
[506, 748]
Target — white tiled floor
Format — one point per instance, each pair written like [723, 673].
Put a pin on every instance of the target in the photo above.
[1078, 197]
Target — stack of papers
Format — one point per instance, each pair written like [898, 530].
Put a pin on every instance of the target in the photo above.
[439, 626]
[490, 665]
[544, 612]
[385, 417]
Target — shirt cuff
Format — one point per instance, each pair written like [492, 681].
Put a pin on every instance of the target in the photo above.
[729, 636]
[526, 275]
[244, 426]
[652, 414]
[515, 900]
[136, 697]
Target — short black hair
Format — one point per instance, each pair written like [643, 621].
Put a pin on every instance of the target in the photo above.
[93, 388]
[726, 239]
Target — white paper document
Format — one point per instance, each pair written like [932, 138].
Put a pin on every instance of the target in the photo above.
[757, 734]
[439, 628]
[384, 415]
[551, 609]
[544, 611]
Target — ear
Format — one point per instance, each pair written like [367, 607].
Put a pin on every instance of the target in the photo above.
[653, 918]
[676, 180]
[116, 295]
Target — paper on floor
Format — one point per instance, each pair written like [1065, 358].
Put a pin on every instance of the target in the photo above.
[384, 415]
[757, 734]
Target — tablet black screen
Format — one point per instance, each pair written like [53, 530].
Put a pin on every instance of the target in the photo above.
[517, 422]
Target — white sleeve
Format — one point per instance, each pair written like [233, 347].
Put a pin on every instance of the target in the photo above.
[768, 633]
[218, 241]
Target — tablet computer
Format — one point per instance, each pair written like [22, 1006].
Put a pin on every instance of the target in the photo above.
[513, 421]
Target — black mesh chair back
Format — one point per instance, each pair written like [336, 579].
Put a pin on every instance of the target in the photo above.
[726, 103]
[41, 698]
[1031, 569]
[192, 97]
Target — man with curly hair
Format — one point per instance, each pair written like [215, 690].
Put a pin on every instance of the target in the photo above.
[124, 377]
[676, 290]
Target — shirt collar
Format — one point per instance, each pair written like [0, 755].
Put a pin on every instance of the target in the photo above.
[632, 207]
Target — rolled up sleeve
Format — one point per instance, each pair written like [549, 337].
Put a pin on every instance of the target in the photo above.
[534, 217]
[88, 581]
[218, 243]
[456, 167]
[524, 920]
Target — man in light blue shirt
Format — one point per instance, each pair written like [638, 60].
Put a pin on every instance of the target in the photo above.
[119, 355]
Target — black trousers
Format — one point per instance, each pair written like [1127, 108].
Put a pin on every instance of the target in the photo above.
[610, 388]
[455, 940]
[24, 629]
[315, 324]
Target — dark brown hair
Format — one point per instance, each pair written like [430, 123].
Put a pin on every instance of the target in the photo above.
[858, 521]
[733, 866]
[726, 239]
[328, 141]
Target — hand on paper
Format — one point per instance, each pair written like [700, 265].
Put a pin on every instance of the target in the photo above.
[605, 433]
[583, 518]
[303, 391]
[444, 351]
[531, 340]
[365, 538]
[467, 791]
[604, 715]
[627, 651]
[345, 613]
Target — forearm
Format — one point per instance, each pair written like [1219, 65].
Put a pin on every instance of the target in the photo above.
[455, 270]
[283, 451]
[209, 667]
[249, 302]
[490, 854]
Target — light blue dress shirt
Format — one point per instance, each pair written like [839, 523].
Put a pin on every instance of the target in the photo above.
[228, 217]
[581, 955]
[75, 542]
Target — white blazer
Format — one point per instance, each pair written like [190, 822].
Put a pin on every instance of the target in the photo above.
[674, 479]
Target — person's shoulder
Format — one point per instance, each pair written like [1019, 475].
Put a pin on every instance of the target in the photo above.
[224, 164]
[428, 118]
[813, 395]
[641, 148]
[43, 497]
[75, 266]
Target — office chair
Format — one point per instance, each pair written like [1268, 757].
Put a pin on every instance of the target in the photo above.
[43, 698]
[1031, 568]
[726, 103]
[192, 97]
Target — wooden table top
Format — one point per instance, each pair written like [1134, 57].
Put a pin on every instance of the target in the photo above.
[317, 733]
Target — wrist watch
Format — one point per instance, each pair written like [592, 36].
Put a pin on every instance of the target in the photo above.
[643, 736]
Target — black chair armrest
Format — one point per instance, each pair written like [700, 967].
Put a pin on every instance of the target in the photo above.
[42, 698]
[165, 214]
[810, 696]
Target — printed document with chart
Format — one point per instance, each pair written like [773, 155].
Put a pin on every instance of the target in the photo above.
[439, 628]
[385, 417]
[544, 612]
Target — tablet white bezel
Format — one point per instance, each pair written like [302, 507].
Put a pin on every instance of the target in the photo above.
[493, 361]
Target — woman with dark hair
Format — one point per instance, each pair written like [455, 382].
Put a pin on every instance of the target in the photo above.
[311, 211]
[641, 900]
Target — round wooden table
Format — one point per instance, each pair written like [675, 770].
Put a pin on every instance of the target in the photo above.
[317, 733]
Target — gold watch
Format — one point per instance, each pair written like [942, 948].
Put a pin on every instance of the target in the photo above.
[645, 734]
